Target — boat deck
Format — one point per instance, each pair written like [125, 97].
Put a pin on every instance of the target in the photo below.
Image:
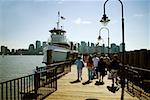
[78, 91]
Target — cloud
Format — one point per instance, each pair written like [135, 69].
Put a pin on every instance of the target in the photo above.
[60, 1]
[81, 21]
[138, 15]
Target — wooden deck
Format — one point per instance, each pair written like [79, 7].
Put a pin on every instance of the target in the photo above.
[77, 91]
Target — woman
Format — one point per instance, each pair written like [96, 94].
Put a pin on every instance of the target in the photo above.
[89, 67]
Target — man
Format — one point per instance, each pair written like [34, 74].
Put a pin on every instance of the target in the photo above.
[79, 64]
[115, 67]
[95, 63]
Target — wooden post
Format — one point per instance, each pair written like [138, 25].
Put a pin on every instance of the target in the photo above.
[143, 58]
[36, 77]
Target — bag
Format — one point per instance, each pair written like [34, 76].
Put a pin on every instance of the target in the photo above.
[82, 64]
[89, 65]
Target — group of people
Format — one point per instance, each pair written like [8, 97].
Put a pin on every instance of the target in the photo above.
[97, 68]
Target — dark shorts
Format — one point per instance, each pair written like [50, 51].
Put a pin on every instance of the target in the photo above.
[102, 72]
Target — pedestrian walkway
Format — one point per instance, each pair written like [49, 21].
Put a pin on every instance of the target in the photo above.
[78, 91]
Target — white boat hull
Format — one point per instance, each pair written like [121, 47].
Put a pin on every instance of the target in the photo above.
[55, 54]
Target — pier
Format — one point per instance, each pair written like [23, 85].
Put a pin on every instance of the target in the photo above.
[74, 91]
[54, 82]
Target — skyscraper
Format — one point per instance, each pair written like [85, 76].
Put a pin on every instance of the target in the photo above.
[38, 45]
[121, 46]
[113, 48]
[83, 48]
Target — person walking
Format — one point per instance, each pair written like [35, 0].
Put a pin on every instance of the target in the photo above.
[101, 70]
[90, 67]
[107, 61]
[95, 66]
[115, 67]
[80, 65]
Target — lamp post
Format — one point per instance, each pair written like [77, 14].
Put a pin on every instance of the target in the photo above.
[99, 37]
[105, 21]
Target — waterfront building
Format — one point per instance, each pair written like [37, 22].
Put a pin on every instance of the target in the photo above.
[113, 48]
[92, 48]
[31, 49]
[38, 45]
[39, 49]
[117, 49]
[83, 47]
[44, 44]
[12, 51]
[5, 50]
[121, 46]
[99, 49]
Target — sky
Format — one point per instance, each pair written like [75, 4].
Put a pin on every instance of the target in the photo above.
[22, 22]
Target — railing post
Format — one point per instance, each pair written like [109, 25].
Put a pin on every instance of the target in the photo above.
[36, 81]
[127, 74]
[55, 76]
[70, 66]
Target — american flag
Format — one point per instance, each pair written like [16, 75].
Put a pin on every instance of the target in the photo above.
[62, 17]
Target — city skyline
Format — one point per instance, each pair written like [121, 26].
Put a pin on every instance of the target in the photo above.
[23, 22]
[82, 47]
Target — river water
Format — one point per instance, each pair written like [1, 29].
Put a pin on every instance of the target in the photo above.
[14, 66]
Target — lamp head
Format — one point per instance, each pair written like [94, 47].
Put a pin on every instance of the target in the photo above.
[104, 20]
[99, 38]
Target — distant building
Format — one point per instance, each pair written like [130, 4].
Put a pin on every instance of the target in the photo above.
[83, 47]
[113, 48]
[13, 51]
[22, 52]
[31, 49]
[44, 44]
[121, 47]
[117, 49]
[91, 48]
[39, 49]
[5, 50]
[38, 45]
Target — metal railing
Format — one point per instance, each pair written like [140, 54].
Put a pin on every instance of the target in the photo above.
[138, 82]
[35, 86]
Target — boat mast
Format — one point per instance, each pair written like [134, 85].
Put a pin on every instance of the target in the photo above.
[58, 20]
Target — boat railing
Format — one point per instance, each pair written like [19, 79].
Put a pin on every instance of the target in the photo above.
[35, 86]
[138, 82]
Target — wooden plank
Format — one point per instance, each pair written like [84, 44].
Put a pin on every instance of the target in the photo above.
[77, 91]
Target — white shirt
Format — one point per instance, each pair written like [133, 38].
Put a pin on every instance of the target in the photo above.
[95, 61]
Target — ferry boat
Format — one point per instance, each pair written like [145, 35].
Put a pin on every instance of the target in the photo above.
[58, 48]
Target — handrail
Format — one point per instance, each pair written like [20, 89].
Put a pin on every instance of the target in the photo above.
[136, 68]
[138, 81]
[28, 87]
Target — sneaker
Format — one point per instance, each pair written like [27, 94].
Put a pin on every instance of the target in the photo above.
[77, 80]
[101, 83]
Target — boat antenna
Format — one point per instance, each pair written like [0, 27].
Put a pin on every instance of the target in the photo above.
[58, 20]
